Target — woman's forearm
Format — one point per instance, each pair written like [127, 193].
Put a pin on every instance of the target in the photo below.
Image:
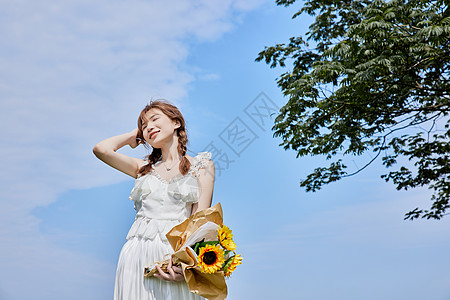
[114, 143]
[106, 152]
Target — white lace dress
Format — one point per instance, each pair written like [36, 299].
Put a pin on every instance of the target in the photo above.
[160, 205]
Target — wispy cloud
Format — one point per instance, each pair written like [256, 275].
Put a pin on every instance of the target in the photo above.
[342, 253]
[71, 74]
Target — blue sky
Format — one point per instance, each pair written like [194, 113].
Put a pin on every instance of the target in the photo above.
[75, 72]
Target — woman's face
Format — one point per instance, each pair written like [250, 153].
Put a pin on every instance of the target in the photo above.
[158, 129]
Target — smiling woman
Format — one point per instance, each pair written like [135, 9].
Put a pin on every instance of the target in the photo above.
[170, 186]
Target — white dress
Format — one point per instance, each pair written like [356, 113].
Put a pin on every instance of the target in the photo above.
[160, 205]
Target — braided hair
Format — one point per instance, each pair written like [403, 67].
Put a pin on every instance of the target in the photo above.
[175, 115]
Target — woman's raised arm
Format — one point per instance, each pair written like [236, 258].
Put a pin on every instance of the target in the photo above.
[106, 152]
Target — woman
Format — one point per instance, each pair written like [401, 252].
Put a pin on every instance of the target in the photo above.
[170, 186]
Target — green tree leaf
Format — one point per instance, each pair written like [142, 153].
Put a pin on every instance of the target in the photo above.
[377, 80]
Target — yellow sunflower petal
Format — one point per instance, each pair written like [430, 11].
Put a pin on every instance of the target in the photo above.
[211, 258]
[236, 262]
[228, 245]
[226, 238]
[224, 233]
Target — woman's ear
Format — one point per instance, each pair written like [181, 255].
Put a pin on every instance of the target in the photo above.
[177, 124]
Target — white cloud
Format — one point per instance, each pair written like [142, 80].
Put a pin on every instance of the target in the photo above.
[71, 74]
[209, 77]
[344, 252]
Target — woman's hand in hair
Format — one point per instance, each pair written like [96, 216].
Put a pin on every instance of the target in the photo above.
[134, 142]
[106, 151]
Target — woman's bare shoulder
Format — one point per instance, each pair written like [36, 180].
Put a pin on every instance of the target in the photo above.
[190, 158]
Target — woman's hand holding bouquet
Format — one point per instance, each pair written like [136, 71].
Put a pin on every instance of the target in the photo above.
[204, 249]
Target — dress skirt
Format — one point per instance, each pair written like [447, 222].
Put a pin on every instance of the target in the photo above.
[139, 252]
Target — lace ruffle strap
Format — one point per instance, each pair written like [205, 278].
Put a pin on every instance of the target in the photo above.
[202, 160]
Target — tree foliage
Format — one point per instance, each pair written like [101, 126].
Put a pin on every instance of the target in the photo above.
[376, 80]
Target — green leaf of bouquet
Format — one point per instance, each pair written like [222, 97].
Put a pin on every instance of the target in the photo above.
[228, 263]
[196, 246]
[203, 244]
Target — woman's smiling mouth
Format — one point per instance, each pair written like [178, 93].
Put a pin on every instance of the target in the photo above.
[152, 134]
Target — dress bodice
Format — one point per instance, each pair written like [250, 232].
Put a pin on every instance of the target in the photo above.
[160, 205]
[158, 200]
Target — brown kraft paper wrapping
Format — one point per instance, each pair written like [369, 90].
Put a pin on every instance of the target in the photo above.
[210, 286]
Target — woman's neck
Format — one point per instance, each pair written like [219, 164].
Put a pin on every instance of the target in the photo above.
[170, 152]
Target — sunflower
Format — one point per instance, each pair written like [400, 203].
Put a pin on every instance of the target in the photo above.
[211, 258]
[237, 260]
[226, 238]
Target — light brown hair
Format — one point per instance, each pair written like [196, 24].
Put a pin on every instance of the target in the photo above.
[174, 114]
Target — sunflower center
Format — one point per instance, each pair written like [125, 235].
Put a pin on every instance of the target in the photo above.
[209, 257]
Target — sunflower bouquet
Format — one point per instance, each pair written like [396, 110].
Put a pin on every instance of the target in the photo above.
[204, 248]
[213, 256]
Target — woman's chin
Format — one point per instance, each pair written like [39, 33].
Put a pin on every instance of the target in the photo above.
[159, 142]
[156, 144]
